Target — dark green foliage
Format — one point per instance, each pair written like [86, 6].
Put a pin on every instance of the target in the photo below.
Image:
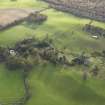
[95, 71]
[96, 54]
[18, 62]
[85, 76]
[36, 17]
[3, 53]
[28, 52]
[94, 30]
[81, 60]
[103, 53]
[13, 63]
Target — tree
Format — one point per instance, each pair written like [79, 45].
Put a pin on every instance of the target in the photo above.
[18, 62]
[95, 71]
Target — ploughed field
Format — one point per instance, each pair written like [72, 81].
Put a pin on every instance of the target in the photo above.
[93, 9]
[50, 84]
[11, 16]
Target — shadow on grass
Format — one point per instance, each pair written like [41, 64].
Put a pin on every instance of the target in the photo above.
[32, 25]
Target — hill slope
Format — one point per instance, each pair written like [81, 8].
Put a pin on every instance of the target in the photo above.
[53, 85]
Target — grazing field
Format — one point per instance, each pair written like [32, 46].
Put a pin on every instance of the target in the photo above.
[50, 84]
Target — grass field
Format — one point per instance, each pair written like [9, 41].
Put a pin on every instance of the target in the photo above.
[52, 85]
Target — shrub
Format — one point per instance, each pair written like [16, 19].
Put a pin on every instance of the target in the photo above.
[3, 53]
[14, 63]
[36, 17]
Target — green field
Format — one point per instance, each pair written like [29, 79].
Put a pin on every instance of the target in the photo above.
[52, 85]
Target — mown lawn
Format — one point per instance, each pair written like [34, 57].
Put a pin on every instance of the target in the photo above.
[52, 85]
